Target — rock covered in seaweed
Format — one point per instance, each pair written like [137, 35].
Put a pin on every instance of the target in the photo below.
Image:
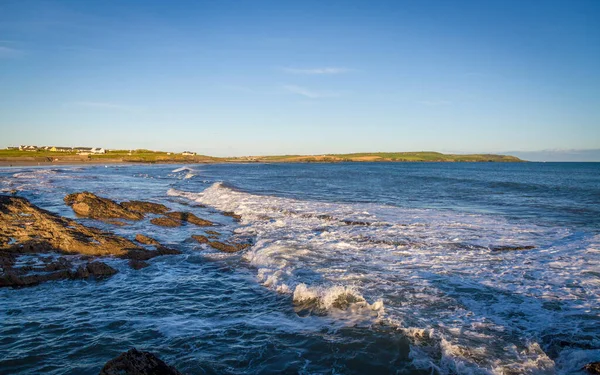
[135, 362]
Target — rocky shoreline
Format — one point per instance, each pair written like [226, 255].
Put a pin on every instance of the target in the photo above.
[37, 246]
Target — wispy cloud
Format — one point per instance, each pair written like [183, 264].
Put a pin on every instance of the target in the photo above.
[7, 52]
[106, 105]
[313, 94]
[317, 71]
[434, 102]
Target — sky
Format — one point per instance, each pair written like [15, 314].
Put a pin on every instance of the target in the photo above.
[232, 78]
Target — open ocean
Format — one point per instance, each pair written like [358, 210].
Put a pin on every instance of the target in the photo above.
[355, 268]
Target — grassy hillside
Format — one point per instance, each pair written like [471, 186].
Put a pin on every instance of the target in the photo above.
[148, 156]
[424, 156]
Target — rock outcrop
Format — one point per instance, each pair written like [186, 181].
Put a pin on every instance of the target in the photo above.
[90, 205]
[166, 222]
[228, 248]
[233, 215]
[200, 238]
[146, 240]
[145, 207]
[135, 362]
[27, 229]
[189, 217]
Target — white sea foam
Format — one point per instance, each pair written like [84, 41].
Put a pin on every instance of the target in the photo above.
[467, 308]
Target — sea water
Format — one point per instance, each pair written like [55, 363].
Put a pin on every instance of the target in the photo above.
[408, 268]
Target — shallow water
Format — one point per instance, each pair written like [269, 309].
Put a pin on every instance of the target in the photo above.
[355, 268]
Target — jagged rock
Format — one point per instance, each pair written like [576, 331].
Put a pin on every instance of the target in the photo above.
[60, 270]
[593, 368]
[146, 240]
[353, 222]
[135, 362]
[145, 207]
[90, 205]
[163, 250]
[511, 248]
[201, 239]
[166, 222]
[212, 232]
[34, 230]
[137, 264]
[189, 217]
[233, 215]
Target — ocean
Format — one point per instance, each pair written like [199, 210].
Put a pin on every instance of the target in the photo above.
[355, 268]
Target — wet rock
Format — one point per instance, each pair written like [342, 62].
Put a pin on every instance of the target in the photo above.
[163, 250]
[95, 269]
[90, 205]
[353, 222]
[135, 362]
[201, 239]
[233, 215]
[228, 248]
[189, 217]
[511, 248]
[146, 240]
[145, 207]
[212, 232]
[137, 264]
[166, 222]
[593, 368]
[115, 222]
[34, 230]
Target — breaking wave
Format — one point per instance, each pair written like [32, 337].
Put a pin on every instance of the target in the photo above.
[475, 293]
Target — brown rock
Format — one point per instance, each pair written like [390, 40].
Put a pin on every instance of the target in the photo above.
[212, 232]
[137, 264]
[135, 362]
[233, 215]
[593, 367]
[166, 222]
[189, 217]
[201, 239]
[90, 205]
[163, 250]
[96, 269]
[145, 207]
[33, 229]
[146, 240]
[228, 248]
[511, 248]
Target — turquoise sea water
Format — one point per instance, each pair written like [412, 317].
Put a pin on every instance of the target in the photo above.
[355, 268]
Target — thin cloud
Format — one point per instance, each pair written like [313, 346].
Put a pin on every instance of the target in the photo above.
[308, 93]
[317, 71]
[7, 52]
[105, 105]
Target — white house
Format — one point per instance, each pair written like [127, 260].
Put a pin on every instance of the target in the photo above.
[98, 150]
[188, 153]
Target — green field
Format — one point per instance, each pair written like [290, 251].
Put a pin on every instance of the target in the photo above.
[149, 156]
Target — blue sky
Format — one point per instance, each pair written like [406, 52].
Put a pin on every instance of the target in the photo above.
[304, 77]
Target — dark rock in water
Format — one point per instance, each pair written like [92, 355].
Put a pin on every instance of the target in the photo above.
[212, 232]
[146, 240]
[163, 250]
[145, 207]
[511, 248]
[189, 217]
[137, 264]
[135, 362]
[201, 239]
[166, 222]
[352, 222]
[115, 222]
[593, 368]
[90, 205]
[233, 215]
[96, 269]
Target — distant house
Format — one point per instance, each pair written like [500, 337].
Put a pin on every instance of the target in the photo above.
[28, 148]
[12, 148]
[60, 149]
[98, 150]
[188, 153]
